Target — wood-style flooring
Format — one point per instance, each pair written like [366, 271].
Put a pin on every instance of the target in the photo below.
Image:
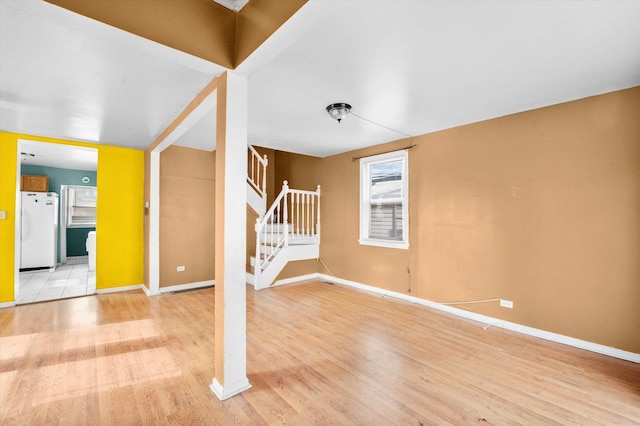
[317, 354]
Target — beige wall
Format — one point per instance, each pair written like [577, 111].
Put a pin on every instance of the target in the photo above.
[301, 171]
[541, 208]
[187, 215]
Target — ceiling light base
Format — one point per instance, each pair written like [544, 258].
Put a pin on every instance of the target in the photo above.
[339, 110]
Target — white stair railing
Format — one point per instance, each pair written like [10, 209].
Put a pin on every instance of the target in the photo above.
[257, 174]
[294, 217]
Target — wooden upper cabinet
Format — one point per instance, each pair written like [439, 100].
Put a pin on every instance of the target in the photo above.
[35, 183]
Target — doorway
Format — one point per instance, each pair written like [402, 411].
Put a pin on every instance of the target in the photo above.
[70, 173]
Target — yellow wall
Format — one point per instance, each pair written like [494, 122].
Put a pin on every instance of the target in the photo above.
[119, 243]
[8, 163]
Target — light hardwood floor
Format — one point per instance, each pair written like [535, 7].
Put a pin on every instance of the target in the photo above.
[317, 354]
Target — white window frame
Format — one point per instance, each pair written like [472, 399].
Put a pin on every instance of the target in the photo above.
[69, 207]
[365, 204]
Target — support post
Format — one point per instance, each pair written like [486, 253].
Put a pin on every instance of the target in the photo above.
[230, 377]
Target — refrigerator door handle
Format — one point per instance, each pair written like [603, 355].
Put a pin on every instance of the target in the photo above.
[23, 228]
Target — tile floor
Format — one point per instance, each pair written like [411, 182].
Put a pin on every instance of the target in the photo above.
[69, 280]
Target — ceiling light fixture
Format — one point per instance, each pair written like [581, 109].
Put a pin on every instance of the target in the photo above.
[339, 110]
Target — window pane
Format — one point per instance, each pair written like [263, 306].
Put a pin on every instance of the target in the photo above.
[85, 197]
[386, 181]
[82, 206]
[386, 222]
[383, 200]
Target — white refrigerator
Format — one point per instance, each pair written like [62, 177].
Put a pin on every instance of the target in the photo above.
[39, 230]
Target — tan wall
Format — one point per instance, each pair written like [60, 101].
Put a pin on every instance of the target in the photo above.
[299, 268]
[187, 219]
[301, 171]
[541, 208]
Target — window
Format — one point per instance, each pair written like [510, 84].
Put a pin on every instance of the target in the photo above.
[81, 206]
[384, 218]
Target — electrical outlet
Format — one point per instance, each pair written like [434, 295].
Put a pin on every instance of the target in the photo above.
[180, 268]
[3, 214]
[506, 303]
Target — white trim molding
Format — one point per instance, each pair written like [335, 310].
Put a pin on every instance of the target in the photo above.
[7, 305]
[149, 292]
[494, 322]
[188, 286]
[388, 197]
[300, 278]
[119, 289]
[179, 287]
[224, 392]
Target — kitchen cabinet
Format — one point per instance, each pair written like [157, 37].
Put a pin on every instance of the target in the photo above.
[34, 183]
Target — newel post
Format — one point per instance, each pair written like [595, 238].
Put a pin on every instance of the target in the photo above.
[285, 212]
[264, 177]
[258, 268]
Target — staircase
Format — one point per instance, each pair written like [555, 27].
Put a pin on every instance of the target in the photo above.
[288, 231]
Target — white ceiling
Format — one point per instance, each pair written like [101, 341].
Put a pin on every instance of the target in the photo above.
[412, 66]
[422, 66]
[34, 153]
[66, 76]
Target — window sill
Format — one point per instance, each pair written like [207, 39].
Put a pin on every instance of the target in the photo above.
[386, 244]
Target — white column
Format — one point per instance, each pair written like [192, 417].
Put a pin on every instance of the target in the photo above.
[230, 377]
[154, 222]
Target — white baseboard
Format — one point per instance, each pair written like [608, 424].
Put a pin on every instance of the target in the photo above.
[494, 322]
[188, 286]
[224, 392]
[251, 279]
[119, 289]
[297, 279]
[149, 292]
[7, 305]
